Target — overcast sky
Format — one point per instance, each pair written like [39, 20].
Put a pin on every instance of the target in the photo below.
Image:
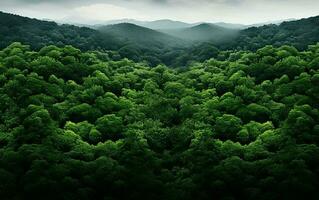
[94, 11]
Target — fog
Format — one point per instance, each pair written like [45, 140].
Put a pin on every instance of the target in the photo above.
[96, 11]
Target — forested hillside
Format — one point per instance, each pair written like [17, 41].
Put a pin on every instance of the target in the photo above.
[75, 126]
[180, 49]
[39, 33]
[204, 32]
[155, 25]
[142, 37]
[298, 33]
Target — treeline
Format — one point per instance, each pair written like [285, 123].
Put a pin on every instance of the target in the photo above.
[145, 45]
[73, 126]
[298, 33]
[37, 34]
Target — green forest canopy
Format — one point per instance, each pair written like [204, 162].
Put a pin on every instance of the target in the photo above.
[75, 125]
[141, 44]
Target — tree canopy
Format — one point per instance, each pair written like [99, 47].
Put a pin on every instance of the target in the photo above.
[76, 125]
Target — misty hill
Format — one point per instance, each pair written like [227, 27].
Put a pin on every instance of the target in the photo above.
[143, 44]
[146, 45]
[276, 22]
[242, 26]
[204, 32]
[166, 24]
[141, 35]
[230, 25]
[37, 33]
[119, 21]
[155, 25]
[299, 33]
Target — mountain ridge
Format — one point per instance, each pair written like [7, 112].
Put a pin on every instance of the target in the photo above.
[203, 32]
[140, 35]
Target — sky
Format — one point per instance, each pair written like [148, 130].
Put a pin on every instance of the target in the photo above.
[97, 11]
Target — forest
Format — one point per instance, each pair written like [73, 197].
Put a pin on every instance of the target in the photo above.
[141, 44]
[76, 126]
[88, 115]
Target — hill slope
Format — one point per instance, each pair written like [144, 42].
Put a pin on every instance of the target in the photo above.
[299, 33]
[166, 24]
[37, 33]
[155, 25]
[204, 32]
[142, 44]
[146, 45]
[141, 35]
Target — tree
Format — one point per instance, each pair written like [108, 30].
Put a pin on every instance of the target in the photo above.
[244, 127]
[254, 112]
[227, 126]
[110, 126]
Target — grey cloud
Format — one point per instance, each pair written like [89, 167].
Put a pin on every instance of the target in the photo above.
[26, 2]
[240, 11]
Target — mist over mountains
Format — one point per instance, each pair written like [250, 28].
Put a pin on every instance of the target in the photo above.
[161, 41]
[173, 24]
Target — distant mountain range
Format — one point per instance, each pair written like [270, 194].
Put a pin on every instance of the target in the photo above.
[203, 32]
[163, 39]
[165, 24]
[171, 24]
[169, 37]
[156, 25]
[298, 33]
[140, 35]
[171, 33]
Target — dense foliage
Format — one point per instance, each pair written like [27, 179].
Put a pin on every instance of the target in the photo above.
[299, 33]
[73, 126]
[145, 45]
[39, 33]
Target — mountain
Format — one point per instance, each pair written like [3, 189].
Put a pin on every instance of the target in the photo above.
[141, 35]
[118, 41]
[298, 33]
[155, 25]
[168, 46]
[230, 25]
[242, 26]
[37, 33]
[119, 21]
[203, 32]
[276, 22]
[166, 24]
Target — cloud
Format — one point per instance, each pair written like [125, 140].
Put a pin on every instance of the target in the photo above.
[236, 11]
[106, 12]
[88, 2]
